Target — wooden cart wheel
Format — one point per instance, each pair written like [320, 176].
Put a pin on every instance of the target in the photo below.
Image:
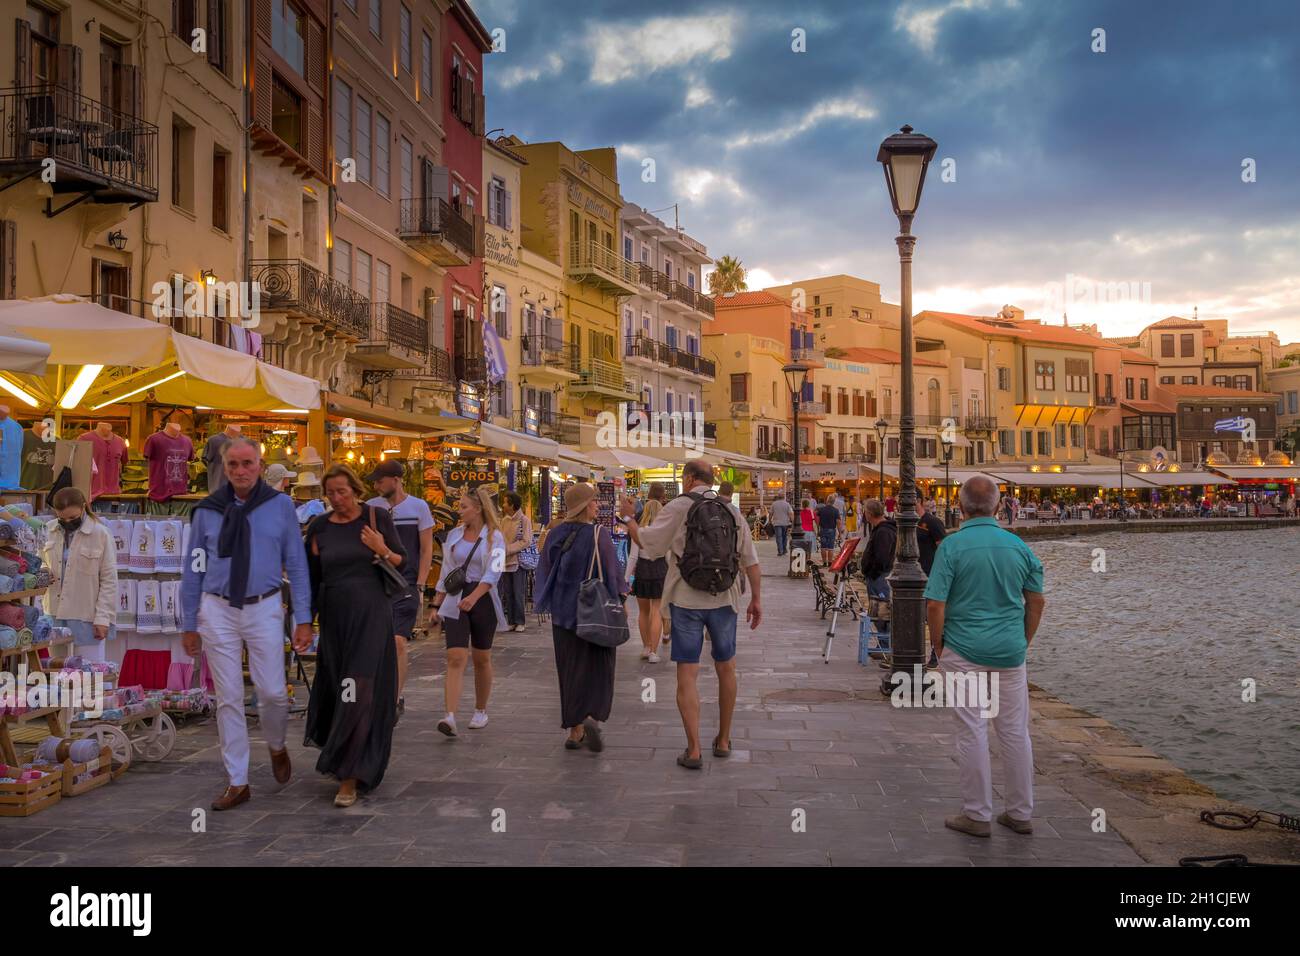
[157, 743]
[116, 740]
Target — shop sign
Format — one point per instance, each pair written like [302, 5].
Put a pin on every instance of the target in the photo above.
[499, 249]
[592, 206]
[468, 403]
[532, 420]
[462, 475]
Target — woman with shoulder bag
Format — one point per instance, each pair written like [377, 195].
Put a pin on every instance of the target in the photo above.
[82, 560]
[353, 704]
[585, 669]
[648, 589]
[467, 601]
[518, 533]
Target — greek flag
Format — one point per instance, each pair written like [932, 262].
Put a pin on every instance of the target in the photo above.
[494, 353]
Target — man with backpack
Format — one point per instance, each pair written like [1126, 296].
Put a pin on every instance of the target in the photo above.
[711, 557]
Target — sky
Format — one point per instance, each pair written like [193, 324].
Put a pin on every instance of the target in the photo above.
[1106, 185]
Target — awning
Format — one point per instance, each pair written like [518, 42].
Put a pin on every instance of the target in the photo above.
[574, 462]
[81, 332]
[748, 462]
[1066, 479]
[518, 444]
[619, 458]
[21, 353]
[1261, 472]
[845, 471]
[1177, 479]
[345, 407]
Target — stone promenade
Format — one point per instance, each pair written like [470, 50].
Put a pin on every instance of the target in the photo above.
[874, 782]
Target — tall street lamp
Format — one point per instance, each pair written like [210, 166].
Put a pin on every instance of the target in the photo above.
[946, 444]
[882, 429]
[796, 374]
[905, 157]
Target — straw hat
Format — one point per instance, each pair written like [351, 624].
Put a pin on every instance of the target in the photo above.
[308, 479]
[309, 456]
[576, 499]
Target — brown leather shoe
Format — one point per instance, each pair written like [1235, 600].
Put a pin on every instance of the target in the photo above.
[232, 797]
[280, 765]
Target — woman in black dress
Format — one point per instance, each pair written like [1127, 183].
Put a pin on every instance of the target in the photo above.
[648, 589]
[586, 670]
[353, 703]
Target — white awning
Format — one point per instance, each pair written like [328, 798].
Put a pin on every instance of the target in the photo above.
[1261, 472]
[1065, 479]
[574, 462]
[1177, 479]
[620, 458]
[20, 353]
[503, 440]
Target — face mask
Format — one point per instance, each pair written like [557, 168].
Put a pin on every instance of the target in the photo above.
[72, 525]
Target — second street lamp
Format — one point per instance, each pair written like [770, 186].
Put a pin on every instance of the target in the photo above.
[795, 377]
[947, 483]
[905, 157]
[882, 430]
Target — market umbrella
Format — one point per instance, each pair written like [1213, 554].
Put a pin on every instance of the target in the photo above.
[624, 460]
[21, 353]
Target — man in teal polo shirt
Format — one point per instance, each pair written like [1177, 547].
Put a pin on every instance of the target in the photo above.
[985, 601]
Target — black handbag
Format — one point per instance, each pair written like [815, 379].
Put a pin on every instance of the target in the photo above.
[454, 583]
[602, 620]
[395, 586]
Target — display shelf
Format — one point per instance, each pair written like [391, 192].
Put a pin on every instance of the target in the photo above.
[19, 595]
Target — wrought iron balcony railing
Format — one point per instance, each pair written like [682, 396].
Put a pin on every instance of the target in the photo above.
[432, 218]
[980, 423]
[291, 285]
[470, 368]
[1106, 401]
[539, 350]
[110, 155]
[708, 367]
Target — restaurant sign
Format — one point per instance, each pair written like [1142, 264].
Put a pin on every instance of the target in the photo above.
[532, 420]
[468, 402]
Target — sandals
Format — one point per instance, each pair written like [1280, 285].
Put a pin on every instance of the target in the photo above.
[571, 744]
[689, 762]
[718, 751]
[592, 736]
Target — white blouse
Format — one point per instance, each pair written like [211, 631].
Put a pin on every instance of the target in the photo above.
[485, 567]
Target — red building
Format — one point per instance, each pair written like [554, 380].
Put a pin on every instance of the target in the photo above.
[465, 40]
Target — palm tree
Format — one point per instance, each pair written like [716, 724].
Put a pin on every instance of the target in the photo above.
[728, 275]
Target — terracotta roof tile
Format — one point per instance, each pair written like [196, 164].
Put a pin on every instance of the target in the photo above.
[885, 357]
[740, 300]
[1134, 357]
[1019, 329]
[1175, 322]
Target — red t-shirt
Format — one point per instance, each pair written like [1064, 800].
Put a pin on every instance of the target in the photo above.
[169, 473]
[806, 519]
[108, 454]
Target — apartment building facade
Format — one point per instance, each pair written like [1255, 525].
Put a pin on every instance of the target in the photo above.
[392, 243]
[664, 323]
[120, 156]
[570, 209]
[845, 311]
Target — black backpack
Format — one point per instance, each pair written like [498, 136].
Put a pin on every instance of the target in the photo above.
[709, 561]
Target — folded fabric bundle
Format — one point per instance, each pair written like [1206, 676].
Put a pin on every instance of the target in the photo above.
[41, 629]
[29, 582]
[8, 638]
[126, 603]
[142, 547]
[25, 637]
[30, 613]
[43, 578]
[7, 584]
[148, 611]
[171, 615]
[13, 615]
[34, 562]
[10, 567]
[168, 539]
[7, 532]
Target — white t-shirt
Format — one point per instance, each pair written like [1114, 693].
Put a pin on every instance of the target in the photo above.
[410, 517]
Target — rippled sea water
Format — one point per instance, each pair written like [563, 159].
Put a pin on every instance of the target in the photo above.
[1161, 641]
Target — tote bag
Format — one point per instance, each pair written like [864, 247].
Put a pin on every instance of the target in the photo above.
[602, 620]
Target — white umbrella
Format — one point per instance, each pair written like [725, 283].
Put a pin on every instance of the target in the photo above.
[21, 353]
[624, 459]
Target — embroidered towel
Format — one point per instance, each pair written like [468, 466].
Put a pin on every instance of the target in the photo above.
[148, 611]
[120, 529]
[142, 547]
[171, 593]
[167, 553]
[126, 603]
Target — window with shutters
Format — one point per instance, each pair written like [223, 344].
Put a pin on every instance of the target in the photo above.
[361, 274]
[1044, 376]
[287, 115]
[363, 140]
[498, 203]
[1076, 375]
[289, 33]
[407, 159]
[383, 133]
[1144, 389]
[739, 387]
[343, 261]
[220, 188]
[404, 37]
[1027, 443]
[383, 281]
[218, 34]
[1004, 378]
[426, 66]
[184, 19]
[1166, 345]
[182, 164]
[467, 101]
[1006, 442]
[1187, 344]
[377, 18]
[342, 121]
[1045, 444]
[1241, 381]
[500, 305]
[454, 85]
[112, 82]
[1060, 436]
[1128, 389]
[43, 57]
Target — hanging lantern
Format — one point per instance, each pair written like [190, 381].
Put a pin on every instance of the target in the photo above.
[392, 443]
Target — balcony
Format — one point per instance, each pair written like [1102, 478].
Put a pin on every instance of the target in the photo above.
[603, 268]
[435, 373]
[566, 429]
[432, 227]
[602, 377]
[1106, 401]
[303, 291]
[650, 278]
[980, 423]
[812, 410]
[548, 359]
[398, 339]
[708, 367]
[102, 154]
[813, 358]
[470, 368]
[926, 421]
[642, 348]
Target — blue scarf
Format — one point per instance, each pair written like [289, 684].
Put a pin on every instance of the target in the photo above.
[236, 539]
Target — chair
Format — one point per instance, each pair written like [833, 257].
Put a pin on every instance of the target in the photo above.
[45, 125]
[114, 146]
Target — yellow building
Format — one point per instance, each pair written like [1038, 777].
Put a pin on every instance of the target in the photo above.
[569, 206]
[844, 311]
[1038, 380]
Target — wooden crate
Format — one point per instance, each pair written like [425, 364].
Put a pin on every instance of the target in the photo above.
[101, 768]
[32, 796]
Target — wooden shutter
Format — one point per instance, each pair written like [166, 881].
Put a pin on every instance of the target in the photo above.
[8, 259]
[262, 18]
[480, 114]
[316, 138]
[106, 82]
[132, 91]
[70, 67]
[262, 92]
[479, 238]
[22, 53]
[454, 86]
[216, 35]
[506, 198]
[316, 55]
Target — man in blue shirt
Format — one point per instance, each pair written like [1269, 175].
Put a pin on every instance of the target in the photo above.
[244, 540]
[985, 596]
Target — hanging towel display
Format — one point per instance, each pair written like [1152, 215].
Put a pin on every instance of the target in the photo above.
[168, 537]
[126, 603]
[142, 547]
[170, 613]
[148, 615]
[121, 529]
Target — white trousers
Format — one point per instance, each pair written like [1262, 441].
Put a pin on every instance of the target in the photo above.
[225, 632]
[1012, 727]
